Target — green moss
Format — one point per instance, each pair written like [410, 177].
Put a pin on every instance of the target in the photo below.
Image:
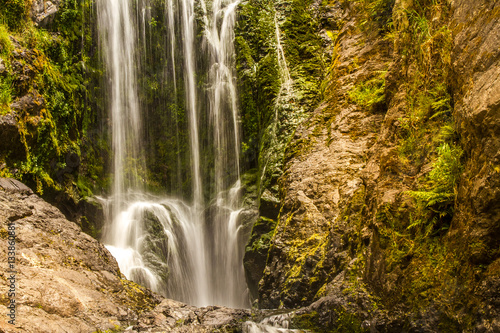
[14, 13]
[299, 251]
[303, 48]
[138, 298]
[261, 236]
[347, 323]
[6, 92]
[49, 136]
[6, 46]
[308, 321]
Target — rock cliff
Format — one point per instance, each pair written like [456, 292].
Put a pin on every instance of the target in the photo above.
[389, 193]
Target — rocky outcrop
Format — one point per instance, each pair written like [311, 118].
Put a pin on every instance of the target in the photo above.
[66, 281]
[43, 12]
[10, 140]
[172, 316]
[476, 91]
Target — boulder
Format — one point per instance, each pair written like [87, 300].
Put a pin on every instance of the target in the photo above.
[31, 103]
[43, 12]
[10, 141]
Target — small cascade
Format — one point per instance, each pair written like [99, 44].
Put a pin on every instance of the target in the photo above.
[283, 102]
[161, 246]
[274, 324]
[286, 87]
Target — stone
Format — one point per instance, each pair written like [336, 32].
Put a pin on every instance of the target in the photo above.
[67, 281]
[322, 186]
[269, 205]
[32, 104]
[10, 140]
[14, 186]
[2, 66]
[43, 12]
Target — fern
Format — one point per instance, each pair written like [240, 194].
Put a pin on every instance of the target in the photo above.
[435, 200]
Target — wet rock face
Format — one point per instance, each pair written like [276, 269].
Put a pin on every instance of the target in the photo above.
[344, 173]
[476, 83]
[476, 73]
[322, 189]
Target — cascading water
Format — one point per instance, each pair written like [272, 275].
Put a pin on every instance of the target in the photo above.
[186, 248]
[118, 38]
[227, 271]
[274, 324]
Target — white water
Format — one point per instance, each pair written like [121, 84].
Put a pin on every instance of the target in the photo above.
[227, 278]
[188, 251]
[117, 36]
[273, 324]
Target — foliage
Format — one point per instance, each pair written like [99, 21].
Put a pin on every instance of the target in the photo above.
[14, 13]
[6, 91]
[6, 46]
[52, 60]
[443, 177]
[439, 191]
[376, 14]
[370, 93]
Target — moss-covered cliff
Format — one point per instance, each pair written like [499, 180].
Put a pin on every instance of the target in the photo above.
[51, 136]
[388, 193]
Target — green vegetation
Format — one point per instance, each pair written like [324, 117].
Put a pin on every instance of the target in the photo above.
[6, 46]
[43, 67]
[5, 94]
[370, 93]
[14, 13]
[376, 14]
[439, 191]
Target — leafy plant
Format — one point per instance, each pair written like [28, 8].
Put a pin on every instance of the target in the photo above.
[435, 200]
[6, 46]
[376, 14]
[369, 93]
[13, 13]
[5, 93]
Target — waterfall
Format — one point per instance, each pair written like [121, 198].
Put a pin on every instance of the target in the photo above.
[186, 246]
[227, 272]
[118, 37]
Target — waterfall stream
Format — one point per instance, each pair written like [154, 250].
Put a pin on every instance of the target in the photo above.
[186, 247]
